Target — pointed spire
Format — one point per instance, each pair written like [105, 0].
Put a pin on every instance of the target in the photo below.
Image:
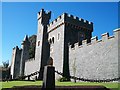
[25, 41]
[26, 38]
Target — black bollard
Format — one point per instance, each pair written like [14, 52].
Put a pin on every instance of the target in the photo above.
[49, 78]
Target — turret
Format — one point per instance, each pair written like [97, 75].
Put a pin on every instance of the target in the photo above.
[42, 45]
[24, 54]
[44, 17]
[15, 64]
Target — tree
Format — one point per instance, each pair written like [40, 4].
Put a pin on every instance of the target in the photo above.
[32, 40]
[5, 64]
[31, 52]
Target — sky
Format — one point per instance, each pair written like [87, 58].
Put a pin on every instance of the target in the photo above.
[20, 19]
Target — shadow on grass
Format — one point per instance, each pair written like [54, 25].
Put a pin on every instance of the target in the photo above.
[59, 88]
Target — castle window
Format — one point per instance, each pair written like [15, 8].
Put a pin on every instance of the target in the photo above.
[38, 43]
[53, 40]
[50, 41]
[58, 36]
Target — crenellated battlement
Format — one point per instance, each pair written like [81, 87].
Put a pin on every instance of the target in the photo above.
[80, 23]
[16, 48]
[57, 22]
[43, 13]
[94, 40]
[78, 19]
[65, 15]
[70, 19]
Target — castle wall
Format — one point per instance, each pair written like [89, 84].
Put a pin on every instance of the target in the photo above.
[56, 40]
[24, 54]
[95, 60]
[76, 30]
[78, 22]
[70, 33]
[38, 46]
[98, 59]
[118, 52]
[13, 62]
[31, 66]
[15, 65]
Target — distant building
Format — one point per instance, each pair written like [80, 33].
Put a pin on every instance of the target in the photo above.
[68, 40]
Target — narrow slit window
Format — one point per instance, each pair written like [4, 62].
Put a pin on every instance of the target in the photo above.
[53, 40]
[38, 43]
[58, 36]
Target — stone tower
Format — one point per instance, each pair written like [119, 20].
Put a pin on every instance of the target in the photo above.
[76, 30]
[24, 54]
[64, 31]
[42, 45]
[15, 65]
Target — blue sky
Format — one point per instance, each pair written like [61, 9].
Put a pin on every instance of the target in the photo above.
[19, 19]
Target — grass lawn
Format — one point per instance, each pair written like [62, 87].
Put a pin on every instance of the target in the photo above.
[10, 84]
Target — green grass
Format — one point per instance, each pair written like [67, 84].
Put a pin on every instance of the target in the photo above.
[111, 85]
[10, 84]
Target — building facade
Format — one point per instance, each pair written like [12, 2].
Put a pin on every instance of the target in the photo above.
[68, 40]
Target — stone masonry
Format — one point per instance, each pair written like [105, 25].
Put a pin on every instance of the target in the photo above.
[68, 40]
[97, 59]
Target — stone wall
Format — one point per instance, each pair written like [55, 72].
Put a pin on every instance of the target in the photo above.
[15, 65]
[13, 62]
[95, 60]
[62, 31]
[31, 66]
[98, 59]
[56, 40]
